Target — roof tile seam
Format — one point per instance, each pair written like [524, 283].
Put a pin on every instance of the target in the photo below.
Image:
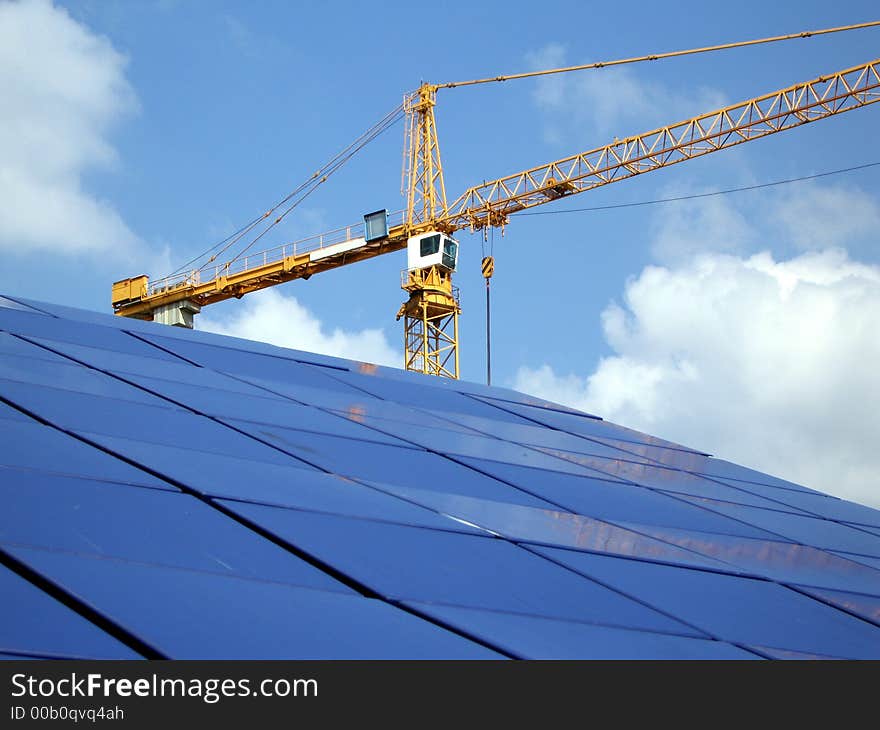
[636, 599]
[79, 606]
[837, 607]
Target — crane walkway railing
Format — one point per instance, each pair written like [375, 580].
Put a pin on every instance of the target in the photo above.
[258, 259]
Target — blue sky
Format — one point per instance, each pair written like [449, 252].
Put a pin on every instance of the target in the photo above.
[163, 126]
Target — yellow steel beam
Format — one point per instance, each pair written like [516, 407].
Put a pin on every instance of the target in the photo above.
[492, 202]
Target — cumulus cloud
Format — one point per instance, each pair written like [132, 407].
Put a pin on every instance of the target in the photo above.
[768, 363]
[269, 316]
[609, 101]
[63, 90]
[815, 216]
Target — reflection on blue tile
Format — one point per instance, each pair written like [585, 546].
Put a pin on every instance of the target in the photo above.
[531, 637]
[863, 559]
[189, 615]
[318, 492]
[203, 471]
[41, 328]
[15, 371]
[27, 444]
[552, 527]
[171, 425]
[445, 567]
[35, 623]
[820, 505]
[614, 501]
[424, 395]
[7, 303]
[670, 480]
[774, 559]
[727, 470]
[868, 607]
[241, 362]
[142, 525]
[134, 367]
[739, 610]
[219, 498]
[12, 345]
[803, 528]
[390, 464]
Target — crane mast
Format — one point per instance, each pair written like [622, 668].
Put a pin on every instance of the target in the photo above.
[431, 311]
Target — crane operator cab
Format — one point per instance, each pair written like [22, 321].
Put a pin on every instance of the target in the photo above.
[432, 249]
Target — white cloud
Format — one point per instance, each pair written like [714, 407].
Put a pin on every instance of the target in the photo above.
[269, 316]
[772, 364]
[63, 90]
[815, 216]
[609, 102]
[680, 228]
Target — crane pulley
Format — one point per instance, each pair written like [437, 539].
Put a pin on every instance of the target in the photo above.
[426, 225]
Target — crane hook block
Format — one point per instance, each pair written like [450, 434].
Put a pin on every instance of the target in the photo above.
[488, 266]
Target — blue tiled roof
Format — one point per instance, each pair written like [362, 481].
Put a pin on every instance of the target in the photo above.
[173, 493]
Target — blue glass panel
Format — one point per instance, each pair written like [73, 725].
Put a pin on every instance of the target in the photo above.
[265, 410]
[132, 366]
[670, 480]
[446, 567]
[663, 455]
[423, 396]
[78, 315]
[189, 615]
[32, 445]
[394, 418]
[773, 653]
[12, 345]
[143, 525]
[774, 559]
[6, 303]
[863, 528]
[10, 413]
[614, 501]
[735, 609]
[22, 657]
[42, 328]
[250, 363]
[491, 447]
[586, 425]
[727, 470]
[390, 464]
[530, 637]
[868, 607]
[202, 471]
[807, 530]
[70, 376]
[35, 623]
[821, 505]
[552, 527]
[457, 443]
[531, 401]
[532, 411]
[305, 388]
[315, 491]
[863, 559]
[89, 414]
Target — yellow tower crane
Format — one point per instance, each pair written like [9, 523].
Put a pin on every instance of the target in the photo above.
[428, 221]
